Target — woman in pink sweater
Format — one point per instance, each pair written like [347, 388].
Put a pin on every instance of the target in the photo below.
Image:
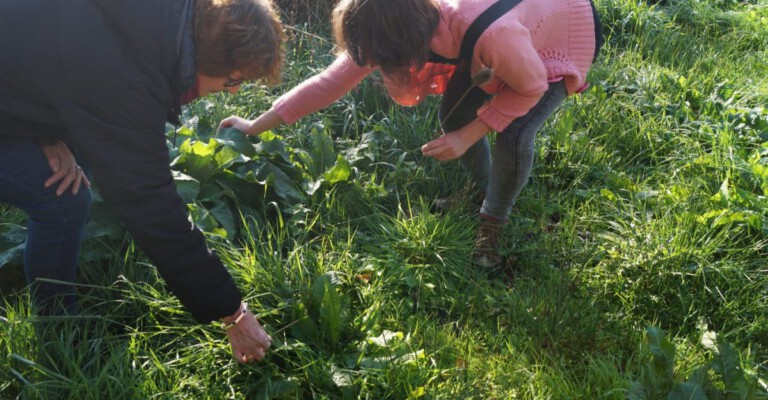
[537, 53]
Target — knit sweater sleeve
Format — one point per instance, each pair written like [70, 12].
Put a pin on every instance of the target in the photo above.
[321, 90]
[508, 49]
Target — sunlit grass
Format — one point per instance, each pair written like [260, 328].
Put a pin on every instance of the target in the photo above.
[646, 208]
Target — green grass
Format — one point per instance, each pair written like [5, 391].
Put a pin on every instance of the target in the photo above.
[646, 208]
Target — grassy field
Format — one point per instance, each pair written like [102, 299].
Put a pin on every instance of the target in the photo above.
[636, 254]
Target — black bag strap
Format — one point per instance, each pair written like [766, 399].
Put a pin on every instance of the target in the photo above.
[478, 26]
[494, 12]
[438, 59]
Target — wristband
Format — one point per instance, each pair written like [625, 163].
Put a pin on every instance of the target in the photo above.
[231, 324]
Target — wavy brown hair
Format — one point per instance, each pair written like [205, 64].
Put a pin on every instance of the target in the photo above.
[238, 35]
[391, 34]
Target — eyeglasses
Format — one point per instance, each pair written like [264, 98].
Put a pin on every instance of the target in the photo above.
[233, 82]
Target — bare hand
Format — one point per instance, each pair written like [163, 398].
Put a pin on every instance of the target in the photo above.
[454, 144]
[66, 172]
[264, 122]
[239, 123]
[447, 147]
[249, 340]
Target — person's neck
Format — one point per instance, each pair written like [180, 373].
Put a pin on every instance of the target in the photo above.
[191, 94]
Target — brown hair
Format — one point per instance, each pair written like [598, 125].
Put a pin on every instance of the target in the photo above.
[392, 34]
[238, 35]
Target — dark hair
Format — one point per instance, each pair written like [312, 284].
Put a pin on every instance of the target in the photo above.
[392, 34]
[238, 35]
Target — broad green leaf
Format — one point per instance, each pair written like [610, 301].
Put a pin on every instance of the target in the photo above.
[369, 145]
[321, 151]
[223, 215]
[699, 375]
[213, 191]
[187, 186]
[199, 147]
[663, 352]
[328, 305]
[687, 391]
[198, 159]
[306, 328]
[275, 179]
[305, 159]
[245, 193]
[331, 315]
[226, 156]
[271, 145]
[607, 194]
[175, 137]
[268, 136]
[636, 391]
[12, 240]
[237, 140]
[726, 362]
[205, 221]
[103, 215]
[340, 172]
[322, 283]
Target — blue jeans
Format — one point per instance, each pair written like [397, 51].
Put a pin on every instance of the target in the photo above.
[55, 227]
[503, 178]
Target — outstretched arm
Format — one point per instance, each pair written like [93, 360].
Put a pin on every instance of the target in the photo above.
[267, 121]
[313, 94]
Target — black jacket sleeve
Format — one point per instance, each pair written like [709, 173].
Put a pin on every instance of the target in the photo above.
[103, 78]
[130, 163]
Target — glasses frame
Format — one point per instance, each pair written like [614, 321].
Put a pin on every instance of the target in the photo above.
[233, 82]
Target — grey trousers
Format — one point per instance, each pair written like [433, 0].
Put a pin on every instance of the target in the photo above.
[503, 176]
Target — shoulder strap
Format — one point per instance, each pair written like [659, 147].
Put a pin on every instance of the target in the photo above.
[438, 59]
[482, 22]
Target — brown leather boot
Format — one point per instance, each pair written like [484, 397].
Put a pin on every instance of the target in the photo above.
[486, 255]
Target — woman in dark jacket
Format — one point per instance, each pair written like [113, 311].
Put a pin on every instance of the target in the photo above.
[103, 77]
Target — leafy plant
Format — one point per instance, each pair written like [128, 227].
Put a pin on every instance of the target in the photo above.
[646, 206]
[721, 377]
[11, 242]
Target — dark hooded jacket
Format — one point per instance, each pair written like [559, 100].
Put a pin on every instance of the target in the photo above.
[104, 76]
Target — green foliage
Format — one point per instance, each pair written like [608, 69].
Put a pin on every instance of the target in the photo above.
[646, 208]
[12, 238]
[12, 235]
[224, 175]
[315, 12]
[721, 377]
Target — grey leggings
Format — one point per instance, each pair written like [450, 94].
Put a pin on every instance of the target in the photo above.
[504, 178]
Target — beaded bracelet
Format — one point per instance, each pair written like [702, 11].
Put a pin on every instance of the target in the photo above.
[231, 324]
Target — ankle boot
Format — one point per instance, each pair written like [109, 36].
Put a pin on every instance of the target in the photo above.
[486, 254]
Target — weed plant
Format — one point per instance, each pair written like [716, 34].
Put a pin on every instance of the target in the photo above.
[635, 256]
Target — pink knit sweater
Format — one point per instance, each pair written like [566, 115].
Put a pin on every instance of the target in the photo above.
[537, 42]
